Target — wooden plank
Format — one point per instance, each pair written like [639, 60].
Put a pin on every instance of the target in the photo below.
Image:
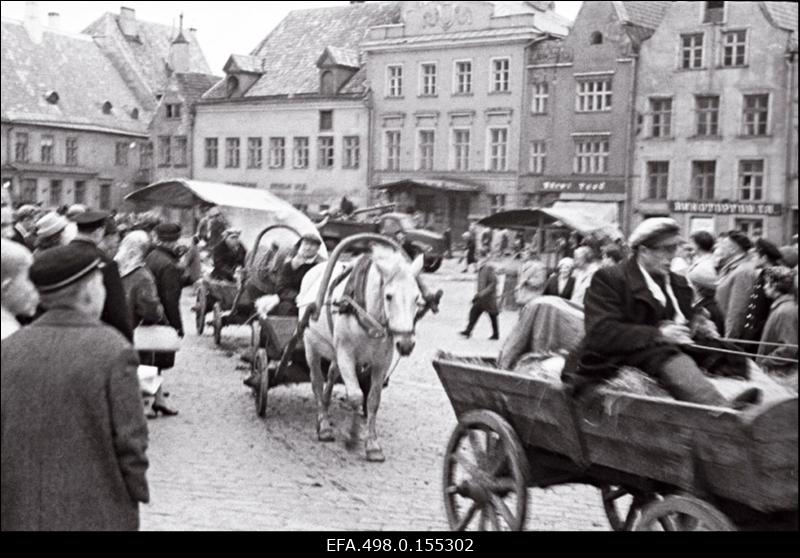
[777, 421]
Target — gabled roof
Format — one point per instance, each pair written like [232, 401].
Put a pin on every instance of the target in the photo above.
[73, 67]
[784, 15]
[645, 14]
[346, 57]
[242, 63]
[150, 53]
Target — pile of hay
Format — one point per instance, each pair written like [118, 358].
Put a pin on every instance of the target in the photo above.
[633, 380]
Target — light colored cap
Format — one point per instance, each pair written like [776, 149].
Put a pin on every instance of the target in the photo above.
[51, 224]
[656, 231]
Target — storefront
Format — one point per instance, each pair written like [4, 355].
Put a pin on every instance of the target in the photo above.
[754, 219]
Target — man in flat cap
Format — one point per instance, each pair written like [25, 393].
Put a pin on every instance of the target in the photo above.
[163, 262]
[74, 433]
[91, 231]
[737, 276]
[229, 255]
[638, 314]
[25, 226]
[291, 273]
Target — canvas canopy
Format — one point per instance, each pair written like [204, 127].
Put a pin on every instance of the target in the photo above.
[584, 218]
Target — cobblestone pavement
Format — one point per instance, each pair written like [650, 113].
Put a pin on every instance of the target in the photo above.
[217, 466]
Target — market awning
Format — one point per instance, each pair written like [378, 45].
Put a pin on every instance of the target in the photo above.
[584, 218]
[430, 184]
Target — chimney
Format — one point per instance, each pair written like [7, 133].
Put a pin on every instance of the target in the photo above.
[33, 21]
[179, 52]
[127, 22]
[54, 21]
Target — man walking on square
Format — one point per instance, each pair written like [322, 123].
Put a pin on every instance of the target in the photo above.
[485, 299]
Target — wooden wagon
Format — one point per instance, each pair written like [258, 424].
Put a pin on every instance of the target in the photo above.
[677, 466]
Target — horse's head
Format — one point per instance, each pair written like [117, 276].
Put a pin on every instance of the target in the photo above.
[400, 295]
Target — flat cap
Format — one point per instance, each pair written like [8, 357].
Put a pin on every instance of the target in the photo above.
[89, 220]
[75, 210]
[26, 211]
[168, 232]
[57, 268]
[52, 223]
[766, 248]
[654, 232]
[741, 239]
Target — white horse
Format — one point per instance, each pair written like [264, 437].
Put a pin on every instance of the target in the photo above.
[392, 298]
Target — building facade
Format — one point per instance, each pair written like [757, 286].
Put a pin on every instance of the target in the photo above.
[447, 87]
[716, 136]
[577, 134]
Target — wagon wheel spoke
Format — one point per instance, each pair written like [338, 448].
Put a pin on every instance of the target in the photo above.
[492, 513]
[482, 520]
[615, 494]
[477, 446]
[500, 506]
[667, 523]
[462, 460]
[502, 485]
[462, 524]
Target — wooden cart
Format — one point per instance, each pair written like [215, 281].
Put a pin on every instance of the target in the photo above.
[678, 466]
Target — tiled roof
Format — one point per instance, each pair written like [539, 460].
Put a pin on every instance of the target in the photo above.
[502, 32]
[150, 52]
[356, 84]
[784, 15]
[344, 56]
[291, 51]
[646, 14]
[73, 67]
[194, 85]
[244, 63]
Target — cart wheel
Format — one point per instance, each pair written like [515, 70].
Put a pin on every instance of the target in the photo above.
[261, 364]
[682, 513]
[217, 323]
[255, 343]
[613, 505]
[200, 310]
[485, 475]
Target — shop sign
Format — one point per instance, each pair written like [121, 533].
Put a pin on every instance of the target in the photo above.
[727, 208]
[581, 186]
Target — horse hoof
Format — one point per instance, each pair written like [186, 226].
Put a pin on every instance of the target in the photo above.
[325, 435]
[375, 456]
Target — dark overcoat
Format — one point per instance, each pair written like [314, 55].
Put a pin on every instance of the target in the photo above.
[74, 435]
[551, 288]
[486, 295]
[115, 309]
[163, 264]
[226, 260]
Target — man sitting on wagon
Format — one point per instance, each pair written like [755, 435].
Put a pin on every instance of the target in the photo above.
[229, 255]
[638, 314]
[290, 276]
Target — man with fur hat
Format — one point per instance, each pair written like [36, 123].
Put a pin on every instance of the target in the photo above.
[163, 262]
[737, 276]
[638, 314]
[74, 433]
[25, 226]
[91, 231]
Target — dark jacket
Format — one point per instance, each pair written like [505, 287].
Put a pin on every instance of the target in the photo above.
[115, 309]
[486, 295]
[226, 260]
[781, 328]
[142, 297]
[551, 288]
[73, 452]
[163, 264]
[757, 312]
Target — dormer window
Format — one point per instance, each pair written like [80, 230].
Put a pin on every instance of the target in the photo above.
[714, 12]
[173, 110]
[327, 86]
[596, 38]
[107, 106]
[135, 114]
[52, 97]
[232, 84]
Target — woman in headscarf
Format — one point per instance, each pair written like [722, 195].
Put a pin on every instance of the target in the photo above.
[143, 301]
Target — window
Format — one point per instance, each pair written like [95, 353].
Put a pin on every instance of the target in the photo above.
[254, 153]
[212, 153]
[661, 118]
[497, 203]
[164, 151]
[231, 85]
[692, 51]
[461, 146]
[48, 146]
[425, 149]
[173, 110]
[734, 51]
[657, 180]
[326, 152]
[538, 157]
[714, 12]
[300, 154]
[756, 113]
[751, 180]
[326, 86]
[80, 191]
[21, 148]
[463, 77]
[501, 75]
[105, 196]
[498, 149]
[325, 120]
[352, 152]
[181, 148]
[591, 156]
[71, 152]
[394, 81]
[56, 193]
[593, 96]
[703, 179]
[232, 160]
[29, 193]
[392, 146]
[277, 153]
[427, 80]
[707, 107]
[121, 154]
[596, 38]
[752, 228]
[146, 155]
[540, 97]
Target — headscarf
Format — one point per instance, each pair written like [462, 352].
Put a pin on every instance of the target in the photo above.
[132, 251]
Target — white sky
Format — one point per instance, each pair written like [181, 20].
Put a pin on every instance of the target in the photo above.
[223, 28]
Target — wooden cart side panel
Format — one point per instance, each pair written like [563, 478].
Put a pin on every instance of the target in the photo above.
[279, 331]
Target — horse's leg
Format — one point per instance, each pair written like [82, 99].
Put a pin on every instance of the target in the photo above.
[377, 374]
[345, 359]
[333, 372]
[314, 359]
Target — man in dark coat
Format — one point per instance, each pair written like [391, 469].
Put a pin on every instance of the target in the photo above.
[758, 307]
[485, 299]
[291, 274]
[229, 255]
[91, 231]
[74, 436]
[163, 264]
[637, 314]
[562, 283]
